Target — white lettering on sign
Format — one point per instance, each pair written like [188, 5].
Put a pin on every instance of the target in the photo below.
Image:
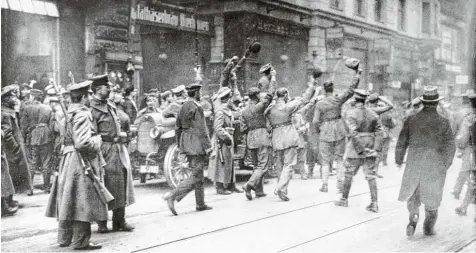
[462, 79]
[181, 20]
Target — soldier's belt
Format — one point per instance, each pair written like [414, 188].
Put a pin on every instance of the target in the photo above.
[282, 125]
[331, 119]
[113, 139]
[255, 128]
[366, 134]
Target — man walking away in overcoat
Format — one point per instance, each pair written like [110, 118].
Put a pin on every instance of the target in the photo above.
[74, 200]
[117, 172]
[362, 149]
[12, 144]
[429, 139]
[193, 141]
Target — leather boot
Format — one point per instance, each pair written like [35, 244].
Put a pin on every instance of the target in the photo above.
[324, 188]
[232, 188]
[345, 193]
[46, 182]
[430, 221]
[373, 207]
[6, 209]
[102, 227]
[119, 222]
[221, 189]
[412, 224]
[13, 203]
[247, 190]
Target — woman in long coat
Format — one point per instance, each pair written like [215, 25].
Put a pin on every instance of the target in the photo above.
[221, 169]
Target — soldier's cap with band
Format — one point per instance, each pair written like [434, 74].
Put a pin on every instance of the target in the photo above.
[178, 89]
[36, 92]
[223, 92]
[361, 94]
[9, 89]
[193, 87]
[99, 80]
[51, 92]
[430, 94]
[373, 98]
[265, 68]
[77, 86]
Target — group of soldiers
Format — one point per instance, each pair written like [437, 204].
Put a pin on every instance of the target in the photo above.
[82, 134]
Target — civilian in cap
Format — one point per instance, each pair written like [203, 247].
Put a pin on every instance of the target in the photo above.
[12, 145]
[151, 103]
[171, 111]
[429, 139]
[267, 79]
[221, 170]
[466, 143]
[118, 174]
[387, 123]
[75, 202]
[193, 141]
[328, 122]
[50, 92]
[285, 138]
[365, 143]
[464, 150]
[129, 103]
[35, 123]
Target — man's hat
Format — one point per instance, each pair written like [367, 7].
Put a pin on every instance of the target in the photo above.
[373, 98]
[328, 84]
[416, 101]
[265, 68]
[36, 92]
[430, 94]
[253, 92]
[178, 89]
[77, 86]
[99, 80]
[50, 92]
[223, 92]
[361, 94]
[193, 87]
[7, 90]
[352, 63]
[316, 72]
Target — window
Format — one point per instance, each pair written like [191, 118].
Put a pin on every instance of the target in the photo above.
[379, 10]
[359, 8]
[436, 21]
[401, 14]
[426, 18]
[337, 4]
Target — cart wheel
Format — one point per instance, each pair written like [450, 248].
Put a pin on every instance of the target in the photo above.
[175, 166]
[143, 178]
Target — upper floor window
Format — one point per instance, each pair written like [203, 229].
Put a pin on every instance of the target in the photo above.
[337, 4]
[426, 18]
[401, 14]
[359, 7]
[379, 10]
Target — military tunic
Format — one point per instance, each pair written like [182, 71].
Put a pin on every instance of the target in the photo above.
[7, 184]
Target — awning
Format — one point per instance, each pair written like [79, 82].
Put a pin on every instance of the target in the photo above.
[31, 6]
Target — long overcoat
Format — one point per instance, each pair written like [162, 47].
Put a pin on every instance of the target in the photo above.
[15, 151]
[464, 141]
[7, 184]
[73, 196]
[429, 139]
[106, 123]
[221, 171]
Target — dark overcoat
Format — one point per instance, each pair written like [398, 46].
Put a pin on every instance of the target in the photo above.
[15, 152]
[429, 140]
[36, 122]
[73, 196]
[7, 184]
[221, 171]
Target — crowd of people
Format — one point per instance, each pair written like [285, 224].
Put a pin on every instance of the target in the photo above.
[81, 135]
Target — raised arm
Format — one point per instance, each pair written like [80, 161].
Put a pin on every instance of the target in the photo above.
[350, 91]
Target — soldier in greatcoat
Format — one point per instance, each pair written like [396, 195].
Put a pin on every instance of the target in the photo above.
[464, 150]
[466, 144]
[285, 138]
[221, 169]
[362, 148]
[193, 141]
[36, 127]
[118, 174]
[429, 139]
[7, 186]
[331, 128]
[130, 107]
[12, 143]
[173, 108]
[74, 200]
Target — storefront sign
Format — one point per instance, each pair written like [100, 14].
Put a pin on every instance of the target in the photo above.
[169, 18]
[462, 79]
[281, 28]
[334, 42]
[381, 51]
[453, 68]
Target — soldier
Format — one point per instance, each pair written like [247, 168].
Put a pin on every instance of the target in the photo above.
[7, 186]
[151, 102]
[464, 150]
[167, 99]
[12, 144]
[301, 127]
[118, 175]
[35, 123]
[75, 201]
[364, 144]
[174, 107]
[258, 141]
[129, 104]
[466, 143]
[381, 105]
[431, 148]
[57, 132]
[124, 119]
[193, 141]
[285, 138]
[265, 80]
[328, 123]
[221, 169]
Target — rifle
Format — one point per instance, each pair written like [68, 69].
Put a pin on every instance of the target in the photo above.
[101, 190]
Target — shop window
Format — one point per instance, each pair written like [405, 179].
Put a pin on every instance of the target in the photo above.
[359, 8]
[425, 18]
[379, 10]
[337, 4]
[31, 6]
[401, 15]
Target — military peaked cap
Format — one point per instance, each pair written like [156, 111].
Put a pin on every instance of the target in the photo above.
[77, 86]
[36, 92]
[360, 94]
[7, 90]
[99, 80]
